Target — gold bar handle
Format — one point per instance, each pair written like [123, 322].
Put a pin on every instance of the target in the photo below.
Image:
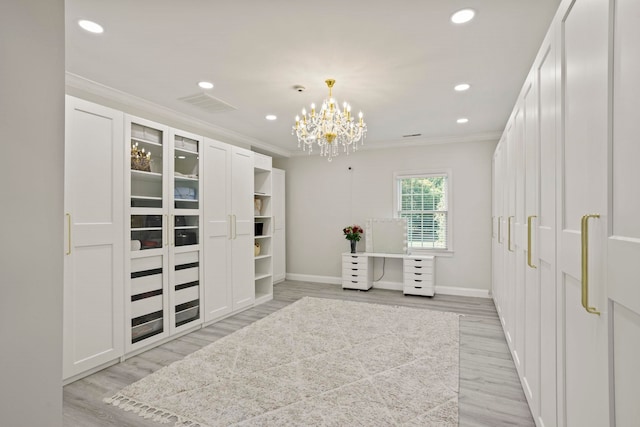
[509, 233]
[68, 252]
[529, 218]
[499, 228]
[585, 263]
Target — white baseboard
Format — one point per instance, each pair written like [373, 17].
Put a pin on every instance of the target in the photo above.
[394, 286]
[314, 279]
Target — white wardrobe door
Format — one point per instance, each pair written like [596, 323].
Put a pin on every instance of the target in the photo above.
[217, 230]
[583, 169]
[93, 286]
[624, 238]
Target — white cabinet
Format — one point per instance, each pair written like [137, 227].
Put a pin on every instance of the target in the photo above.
[93, 261]
[357, 272]
[279, 225]
[163, 253]
[228, 229]
[418, 275]
[551, 205]
[263, 228]
[623, 242]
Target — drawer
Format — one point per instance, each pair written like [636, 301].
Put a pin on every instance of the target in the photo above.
[355, 259]
[425, 269]
[419, 290]
[361, 284]
[146, 263]
[418, 281]
[187, 275]
[146, 306]
[354, 275]
[186, 258]
[187, 294]
[354, 267]
[144, 284]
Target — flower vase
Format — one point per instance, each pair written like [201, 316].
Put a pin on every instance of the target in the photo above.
[353, 246]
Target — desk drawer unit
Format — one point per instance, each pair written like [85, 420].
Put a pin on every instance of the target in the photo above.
[357, 272]
[419, 276]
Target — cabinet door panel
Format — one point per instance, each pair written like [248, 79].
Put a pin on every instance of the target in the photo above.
[93, 288]
[624, 239]
[583, 352]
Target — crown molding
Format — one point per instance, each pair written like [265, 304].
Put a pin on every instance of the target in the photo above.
[421, 141]
[74, 82]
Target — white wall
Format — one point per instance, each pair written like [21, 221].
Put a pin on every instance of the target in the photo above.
[323, 197]
[31, 193]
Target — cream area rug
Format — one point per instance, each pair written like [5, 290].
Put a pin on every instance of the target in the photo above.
[316, 362]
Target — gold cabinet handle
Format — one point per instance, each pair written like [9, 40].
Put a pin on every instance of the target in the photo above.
[68, 252]
[529, 218]
[585, 262]
[499, 228]
[509, 233]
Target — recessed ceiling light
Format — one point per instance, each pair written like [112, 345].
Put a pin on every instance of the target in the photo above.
[206, 85]
[90, 26]
[462, 16]
[462, 120]
[270, 117]
[462, 87]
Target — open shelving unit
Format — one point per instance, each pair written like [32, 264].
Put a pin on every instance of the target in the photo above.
[263, 230]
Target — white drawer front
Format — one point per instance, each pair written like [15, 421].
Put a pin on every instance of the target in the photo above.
[146, 306]
[419, 290]
[187, 275]
[425, 269]
[354, 275]
[187, 294]
[357, 259]
[147, 263]
[418, 280]
[143, 284]
[353, 266]
[356, 284]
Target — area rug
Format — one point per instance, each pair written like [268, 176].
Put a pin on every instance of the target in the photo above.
[316, 362]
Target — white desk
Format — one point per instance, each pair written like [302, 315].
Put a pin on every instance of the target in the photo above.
[418, 272]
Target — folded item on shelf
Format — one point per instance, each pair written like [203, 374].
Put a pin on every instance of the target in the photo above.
[184, 193]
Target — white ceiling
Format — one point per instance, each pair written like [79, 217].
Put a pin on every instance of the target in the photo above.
[397, 61]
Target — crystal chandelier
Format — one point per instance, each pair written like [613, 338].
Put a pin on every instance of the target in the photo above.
[331, 128]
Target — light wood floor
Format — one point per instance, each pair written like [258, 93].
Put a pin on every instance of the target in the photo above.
[490, 392]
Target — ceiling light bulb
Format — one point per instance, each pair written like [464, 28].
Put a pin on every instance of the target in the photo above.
[462, 120]
[206, 85]
[90, 26]
[462, 87]
[462, 16]
[270, 117]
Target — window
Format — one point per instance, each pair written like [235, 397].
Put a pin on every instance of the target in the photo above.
[423, 199]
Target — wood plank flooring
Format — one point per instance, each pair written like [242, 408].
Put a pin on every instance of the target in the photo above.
[490, 391]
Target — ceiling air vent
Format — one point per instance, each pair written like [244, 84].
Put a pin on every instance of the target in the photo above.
[207, 103]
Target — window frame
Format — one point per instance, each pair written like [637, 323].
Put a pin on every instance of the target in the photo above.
[427, 173]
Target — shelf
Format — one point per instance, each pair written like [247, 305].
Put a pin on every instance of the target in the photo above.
[146, 229]
[262, 217]
[146, 176]
[262, 194]
[183, 150]
[263, 256]
[262, 276]
[145, 197]
[186, 200]
[186, 227]
[186, 178]
[145, 141]
[268, 236]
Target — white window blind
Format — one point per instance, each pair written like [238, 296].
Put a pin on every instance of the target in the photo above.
[423, 201]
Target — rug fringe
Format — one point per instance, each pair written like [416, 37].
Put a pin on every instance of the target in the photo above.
[147, 411]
